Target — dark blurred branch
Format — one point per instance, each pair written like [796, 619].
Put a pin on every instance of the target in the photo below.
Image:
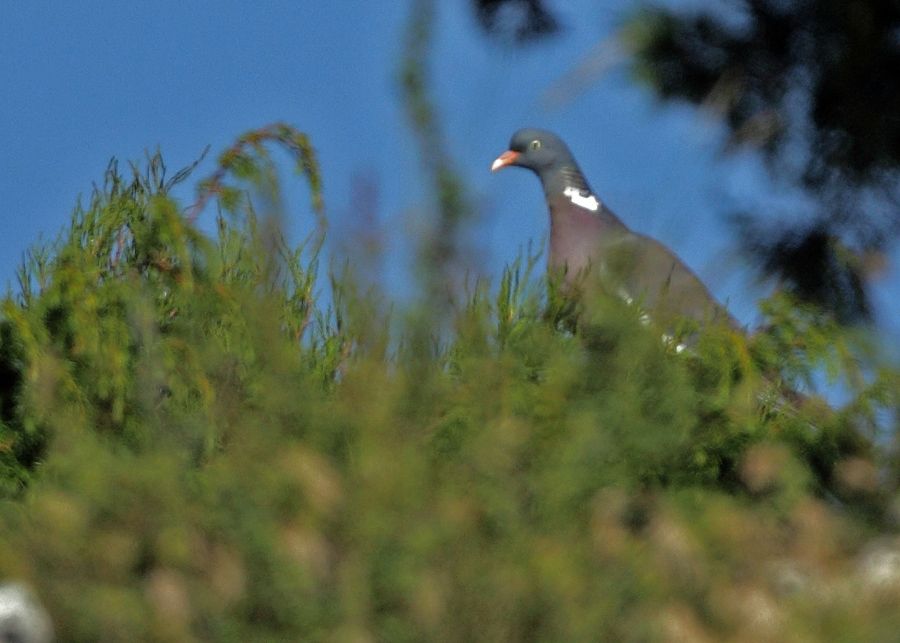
[812, 264]
[606, 55]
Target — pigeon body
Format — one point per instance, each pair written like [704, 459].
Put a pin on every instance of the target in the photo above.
[588, 241]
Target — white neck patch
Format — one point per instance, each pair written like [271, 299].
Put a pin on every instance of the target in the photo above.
[575, 196]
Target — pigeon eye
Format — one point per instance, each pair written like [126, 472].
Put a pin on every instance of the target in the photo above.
[535, 145]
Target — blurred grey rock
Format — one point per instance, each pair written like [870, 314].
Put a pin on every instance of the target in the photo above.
[22, 618]
[879, 564]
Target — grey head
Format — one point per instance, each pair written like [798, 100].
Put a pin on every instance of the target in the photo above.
[545, 154]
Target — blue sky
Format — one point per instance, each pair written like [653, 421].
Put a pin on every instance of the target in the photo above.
[83, 82]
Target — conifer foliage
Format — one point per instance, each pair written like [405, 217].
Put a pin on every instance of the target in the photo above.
[195, 447]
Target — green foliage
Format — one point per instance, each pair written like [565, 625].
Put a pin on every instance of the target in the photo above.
[194, 447]
[439, 252]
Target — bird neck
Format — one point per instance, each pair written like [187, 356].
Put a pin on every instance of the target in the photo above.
[573, 178]
[568, 181]
[567, 176]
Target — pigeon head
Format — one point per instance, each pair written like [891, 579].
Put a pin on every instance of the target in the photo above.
[545, 154]
[538, 150]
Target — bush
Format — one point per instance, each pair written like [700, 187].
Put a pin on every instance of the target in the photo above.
[195, 447]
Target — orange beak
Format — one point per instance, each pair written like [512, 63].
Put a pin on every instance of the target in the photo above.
[507, 158]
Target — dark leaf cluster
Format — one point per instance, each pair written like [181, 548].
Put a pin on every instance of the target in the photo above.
[516, 20]
[815, 84]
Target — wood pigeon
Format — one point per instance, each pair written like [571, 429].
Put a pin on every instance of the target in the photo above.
[588, 240]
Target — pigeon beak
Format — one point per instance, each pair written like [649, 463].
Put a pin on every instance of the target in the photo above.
[507, 158]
